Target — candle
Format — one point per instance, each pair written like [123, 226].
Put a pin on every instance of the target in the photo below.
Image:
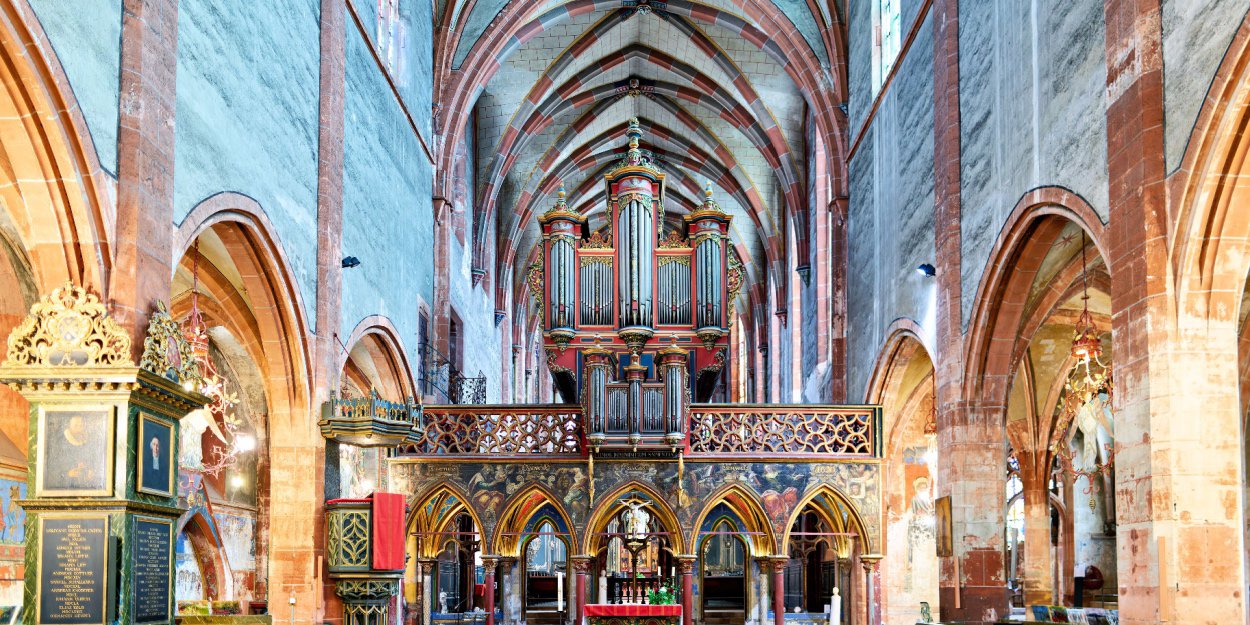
[559, 592]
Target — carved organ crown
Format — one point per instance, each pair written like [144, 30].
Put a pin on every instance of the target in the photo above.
[609, 294]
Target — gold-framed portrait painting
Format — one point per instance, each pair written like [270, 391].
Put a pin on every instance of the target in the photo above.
[75, 452]
[155, 457]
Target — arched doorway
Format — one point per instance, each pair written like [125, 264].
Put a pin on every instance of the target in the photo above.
[904, 386]
[723, 571]
[634, 538]
[444, 555]
[824, 542]
[545, 563]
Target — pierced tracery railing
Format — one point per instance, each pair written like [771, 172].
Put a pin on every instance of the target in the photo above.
[549, 431]
[769, 430]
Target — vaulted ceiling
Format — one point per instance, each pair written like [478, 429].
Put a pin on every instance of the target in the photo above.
[740, 94]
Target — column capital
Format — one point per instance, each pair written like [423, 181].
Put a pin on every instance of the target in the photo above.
[870, 561]
[507, 560]
[776, 563]
[685, 563]
[489, 563]
[581, 564]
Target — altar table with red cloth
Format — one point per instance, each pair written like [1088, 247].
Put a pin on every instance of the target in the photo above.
[632, 614]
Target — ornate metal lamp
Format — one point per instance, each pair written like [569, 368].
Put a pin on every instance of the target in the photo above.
[226, 426]
[1087, 397]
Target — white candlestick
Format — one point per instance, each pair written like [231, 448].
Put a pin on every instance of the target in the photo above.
[559, 592]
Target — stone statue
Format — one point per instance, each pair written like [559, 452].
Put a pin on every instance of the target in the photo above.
[1094, 421]
[442, 602]
[636, 521]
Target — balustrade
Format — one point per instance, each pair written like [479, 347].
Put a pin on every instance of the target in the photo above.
[550, 430]
[794, 430]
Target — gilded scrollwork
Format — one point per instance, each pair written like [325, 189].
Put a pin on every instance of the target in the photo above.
[70, 327]
[167, 352]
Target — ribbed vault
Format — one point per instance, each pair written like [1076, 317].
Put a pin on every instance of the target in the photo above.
[735, 95]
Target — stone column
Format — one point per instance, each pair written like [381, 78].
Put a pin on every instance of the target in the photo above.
[427, 588]
[508, 590]
[762, 582]
[489, 563]
[685, 566]
[1037, 564]
[778, 564]
[871, 575]
[581, 565]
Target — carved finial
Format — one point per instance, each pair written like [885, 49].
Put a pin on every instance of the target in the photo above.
[69, 327]
[709, 203]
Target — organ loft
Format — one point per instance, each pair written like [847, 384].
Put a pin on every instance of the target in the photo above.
[637, 312]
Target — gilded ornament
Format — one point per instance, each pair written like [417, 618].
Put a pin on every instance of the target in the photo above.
[674, 240]
[600, 240]
[166, 351]
[70, 327]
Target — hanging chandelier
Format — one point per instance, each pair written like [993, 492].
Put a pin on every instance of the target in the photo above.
[223, 422]
[1087, 399]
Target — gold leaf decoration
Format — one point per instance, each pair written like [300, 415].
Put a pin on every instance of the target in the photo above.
[166, 351]
[70, 327]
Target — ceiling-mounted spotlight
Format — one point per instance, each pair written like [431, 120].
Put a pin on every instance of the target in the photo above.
[927, 270]
[350, 262]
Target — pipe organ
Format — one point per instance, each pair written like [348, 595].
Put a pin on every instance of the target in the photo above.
[637, 312]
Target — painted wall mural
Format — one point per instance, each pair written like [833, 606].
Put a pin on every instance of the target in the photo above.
[780, 487]
[12, 540]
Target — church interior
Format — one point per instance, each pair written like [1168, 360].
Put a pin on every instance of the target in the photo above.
[624, 312]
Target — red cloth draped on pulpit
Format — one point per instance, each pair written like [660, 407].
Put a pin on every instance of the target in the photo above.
[388, 531]
[631, 609]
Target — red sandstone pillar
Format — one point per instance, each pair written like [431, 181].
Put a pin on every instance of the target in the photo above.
[581, 564]
[489, 563]
[779, 589]
[685, 566]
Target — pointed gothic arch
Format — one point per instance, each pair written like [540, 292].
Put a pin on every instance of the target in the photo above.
[376, 351]
[610, 504]
[836, 509]
[432, 511]
[517, 513]
[746, 504]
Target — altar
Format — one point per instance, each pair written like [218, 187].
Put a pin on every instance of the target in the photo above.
[632, 614]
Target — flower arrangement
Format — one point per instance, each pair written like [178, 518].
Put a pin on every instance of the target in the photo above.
[662, 596]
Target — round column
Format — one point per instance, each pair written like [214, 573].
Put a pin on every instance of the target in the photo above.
[489, 563]
[778, 564]
[581, 566]
[685, 567]
[870, 562]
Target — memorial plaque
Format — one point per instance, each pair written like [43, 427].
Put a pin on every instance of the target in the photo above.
[151, 555]
[73, 570]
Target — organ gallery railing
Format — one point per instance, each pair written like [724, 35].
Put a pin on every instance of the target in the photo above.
[769, 430]
[553, 430]
[715, 430]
